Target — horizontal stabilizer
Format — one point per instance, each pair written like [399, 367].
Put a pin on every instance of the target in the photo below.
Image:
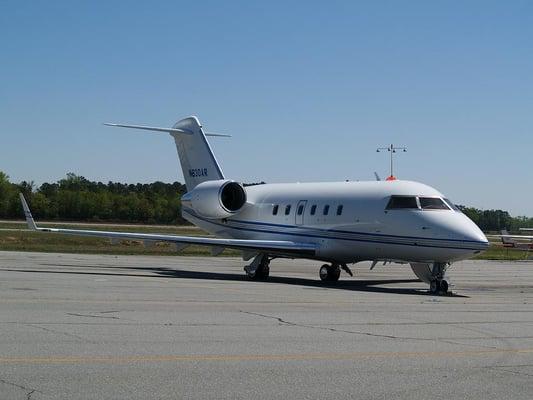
[168, 130]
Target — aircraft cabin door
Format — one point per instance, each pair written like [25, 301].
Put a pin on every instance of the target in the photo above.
[300, 211]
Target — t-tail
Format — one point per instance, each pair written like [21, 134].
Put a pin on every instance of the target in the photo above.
[198, 162]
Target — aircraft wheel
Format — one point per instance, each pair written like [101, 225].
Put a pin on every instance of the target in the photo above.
[260, 274]
[263, 272]
[335, 273]
[324, 272]
[434, 287]
[444, 286]
[329, 273]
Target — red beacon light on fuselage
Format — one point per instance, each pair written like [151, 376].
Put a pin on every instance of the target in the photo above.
[391, 178]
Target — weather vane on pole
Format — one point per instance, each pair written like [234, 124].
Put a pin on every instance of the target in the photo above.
[391, 149]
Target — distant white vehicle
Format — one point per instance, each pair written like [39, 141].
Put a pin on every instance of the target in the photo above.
[338, 223]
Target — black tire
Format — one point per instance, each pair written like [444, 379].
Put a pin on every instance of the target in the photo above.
[329, 273]
[334, 273]
[434, 287]
[263, 272]
[444, 286]
[323, 272]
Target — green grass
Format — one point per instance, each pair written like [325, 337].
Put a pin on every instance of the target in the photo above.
[498, 252]
[56, 243]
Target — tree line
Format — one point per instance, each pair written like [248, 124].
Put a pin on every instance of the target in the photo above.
[75, 198]
[496, 220]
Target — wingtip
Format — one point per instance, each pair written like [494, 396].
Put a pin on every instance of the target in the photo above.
[27, 213]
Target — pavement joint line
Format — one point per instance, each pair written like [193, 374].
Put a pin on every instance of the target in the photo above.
[258, 357]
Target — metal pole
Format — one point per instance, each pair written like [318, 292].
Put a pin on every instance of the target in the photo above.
[391, 149]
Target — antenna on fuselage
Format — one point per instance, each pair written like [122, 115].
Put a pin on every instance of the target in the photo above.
[392, 149]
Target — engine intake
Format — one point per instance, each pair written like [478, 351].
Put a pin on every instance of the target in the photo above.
[216, 199]
[232, 196]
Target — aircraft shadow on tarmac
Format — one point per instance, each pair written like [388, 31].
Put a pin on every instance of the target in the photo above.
[353, 285]
[349, 285]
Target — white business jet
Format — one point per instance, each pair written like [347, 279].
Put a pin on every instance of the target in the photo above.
[338, 223]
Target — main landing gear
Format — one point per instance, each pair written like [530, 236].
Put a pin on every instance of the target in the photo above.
[438, 283]
[331, 273]
[259, 269]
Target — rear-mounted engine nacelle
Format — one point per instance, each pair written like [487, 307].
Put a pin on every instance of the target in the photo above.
[216, 199]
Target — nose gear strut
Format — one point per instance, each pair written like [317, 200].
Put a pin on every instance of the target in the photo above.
[439, 283]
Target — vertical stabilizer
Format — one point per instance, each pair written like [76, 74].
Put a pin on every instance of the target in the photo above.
[198, 162]
[196, 157]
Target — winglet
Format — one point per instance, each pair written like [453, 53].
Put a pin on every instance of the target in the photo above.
[27, 213]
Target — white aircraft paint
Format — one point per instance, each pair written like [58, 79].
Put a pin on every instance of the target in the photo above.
[358, 225]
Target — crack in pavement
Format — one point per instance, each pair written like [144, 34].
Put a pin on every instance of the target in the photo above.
[462, 327]
[92, 316]
[60, 333]
[289, 323]
[21, 387]
[500, 369]
[451, 341]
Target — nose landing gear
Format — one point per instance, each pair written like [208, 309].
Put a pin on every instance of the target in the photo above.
[438, 283]
[439, 286]
[434, 275]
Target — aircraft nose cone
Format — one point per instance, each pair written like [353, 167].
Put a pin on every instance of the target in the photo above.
[473, 234]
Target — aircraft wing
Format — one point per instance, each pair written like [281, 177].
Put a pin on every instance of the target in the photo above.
[527, 237]
[280, 247]
[517, 236]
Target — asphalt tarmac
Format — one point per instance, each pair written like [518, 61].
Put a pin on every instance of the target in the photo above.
[135, 327]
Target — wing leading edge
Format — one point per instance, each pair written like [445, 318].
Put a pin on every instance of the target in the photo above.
[513, 236]
[280, 247]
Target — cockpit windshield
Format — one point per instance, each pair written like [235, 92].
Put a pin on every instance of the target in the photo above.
[397, 202]
[432, 203]
[453, 206]
[419, 203]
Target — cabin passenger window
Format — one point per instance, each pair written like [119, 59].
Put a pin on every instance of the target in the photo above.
[339, 210]
[288, 210]
[326, 209]
[397, 202]
[313, 209]
[275, 210]
[432, 203]
[300, 209]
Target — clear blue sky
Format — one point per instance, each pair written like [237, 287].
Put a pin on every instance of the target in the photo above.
[308, 91]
